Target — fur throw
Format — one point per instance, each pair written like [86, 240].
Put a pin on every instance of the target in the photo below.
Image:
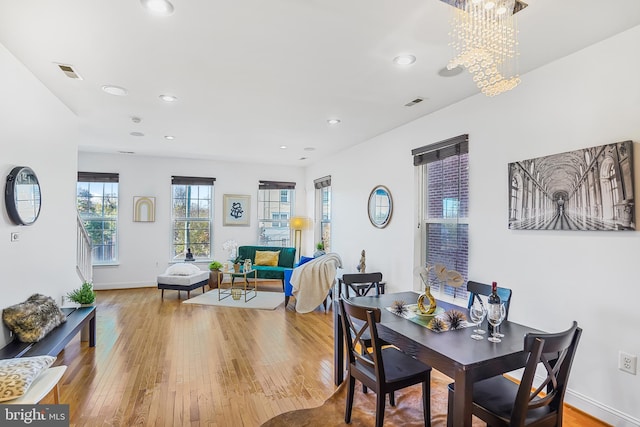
[33, 319]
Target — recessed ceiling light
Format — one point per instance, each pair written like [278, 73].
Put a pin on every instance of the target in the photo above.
[283, 147]
[333, 121]
[168, 98]
[169, 137]
[404, 59]
[126, 152]
[501, 10]
[489, 5]
[136, 134]
[158, 7]
[115, 90]
[135, 119]
[303, 158]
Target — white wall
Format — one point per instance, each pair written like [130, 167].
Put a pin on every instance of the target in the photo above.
[40, 132]
[589, 98]
[145, 247]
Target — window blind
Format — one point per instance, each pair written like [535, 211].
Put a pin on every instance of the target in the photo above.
[441, 150]
[97, 177]
[276, 185]
[191, 180]
[322, 182]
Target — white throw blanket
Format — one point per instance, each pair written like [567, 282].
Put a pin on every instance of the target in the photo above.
[311, 281]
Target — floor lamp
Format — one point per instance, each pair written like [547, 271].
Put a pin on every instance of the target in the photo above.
[298, 223]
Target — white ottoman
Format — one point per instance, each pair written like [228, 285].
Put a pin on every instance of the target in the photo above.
[183, 277]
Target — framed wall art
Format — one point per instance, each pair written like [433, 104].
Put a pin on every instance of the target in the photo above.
[144, 209]
[236, 209]
[587, 189]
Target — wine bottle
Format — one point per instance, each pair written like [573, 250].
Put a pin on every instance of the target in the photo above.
[494, 305]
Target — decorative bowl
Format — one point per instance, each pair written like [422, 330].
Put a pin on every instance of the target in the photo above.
[420, 315]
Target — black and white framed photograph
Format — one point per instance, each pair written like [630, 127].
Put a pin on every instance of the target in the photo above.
[236, 209]
[587, 189]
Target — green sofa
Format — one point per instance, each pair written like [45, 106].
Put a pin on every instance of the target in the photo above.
[285, 260]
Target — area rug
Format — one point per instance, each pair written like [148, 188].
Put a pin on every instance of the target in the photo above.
[406, 413]
[262, 301]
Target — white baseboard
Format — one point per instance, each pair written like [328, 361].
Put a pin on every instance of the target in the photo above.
[124, 285]
[600, 411]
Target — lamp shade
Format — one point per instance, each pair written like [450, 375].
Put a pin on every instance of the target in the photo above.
[299, 222]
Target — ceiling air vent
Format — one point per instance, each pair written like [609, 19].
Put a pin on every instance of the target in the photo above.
[414, 102]
[69, 71]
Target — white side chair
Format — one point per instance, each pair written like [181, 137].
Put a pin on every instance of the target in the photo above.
[41, 386]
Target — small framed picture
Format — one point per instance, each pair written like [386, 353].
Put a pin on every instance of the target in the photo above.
[236, 209]
[144, 209]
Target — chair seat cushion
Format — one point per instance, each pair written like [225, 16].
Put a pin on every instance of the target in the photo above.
[397, 366]
[182, 269]
[167, 279]
[498, 395]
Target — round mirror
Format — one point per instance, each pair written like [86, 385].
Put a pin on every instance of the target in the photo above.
[380, 206]
[22, 196]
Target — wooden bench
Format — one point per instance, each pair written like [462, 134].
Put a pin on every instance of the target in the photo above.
[56, 340]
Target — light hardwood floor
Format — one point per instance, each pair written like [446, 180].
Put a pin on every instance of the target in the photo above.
[163, 363]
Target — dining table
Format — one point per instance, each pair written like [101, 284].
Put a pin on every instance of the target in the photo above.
[452, 352]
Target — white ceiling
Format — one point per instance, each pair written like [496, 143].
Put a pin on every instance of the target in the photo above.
[252, 75]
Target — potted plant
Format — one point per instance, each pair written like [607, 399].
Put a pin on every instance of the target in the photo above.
[319, 250]
[84, 295]
[215, 265]
[236, 263]
[215, 268]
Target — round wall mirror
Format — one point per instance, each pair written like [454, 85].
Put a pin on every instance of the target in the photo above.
[22, 196]
[380, 206]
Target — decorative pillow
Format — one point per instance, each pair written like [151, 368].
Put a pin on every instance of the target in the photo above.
[33, 319]
[16, 375]
[182, 269]
[267, 258]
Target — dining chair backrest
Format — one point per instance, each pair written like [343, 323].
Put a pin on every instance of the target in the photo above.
[359, 326]
[555, 352]
[476, 288]
[360, 283]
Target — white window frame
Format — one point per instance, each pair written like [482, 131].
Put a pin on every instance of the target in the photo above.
[192, 183]
[270, 205]
[423, 156]
[94, 179]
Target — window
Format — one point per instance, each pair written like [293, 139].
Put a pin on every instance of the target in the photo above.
[323, 210]
[275, 208]
[97, 204]
[445, 207]
[280, 216]
[191, 216]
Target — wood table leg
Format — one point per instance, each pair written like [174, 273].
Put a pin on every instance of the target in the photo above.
[462, 400]
[92, 331]
[338, 346]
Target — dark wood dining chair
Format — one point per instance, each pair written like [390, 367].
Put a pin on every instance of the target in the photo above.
[383, 370]
[499, 401]
[476, 288]
[360, 284]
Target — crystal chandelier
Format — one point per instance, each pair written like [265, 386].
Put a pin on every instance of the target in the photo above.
[484, 37]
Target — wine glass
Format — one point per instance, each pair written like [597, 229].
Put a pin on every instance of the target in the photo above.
[476, 314]
[495, 316]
